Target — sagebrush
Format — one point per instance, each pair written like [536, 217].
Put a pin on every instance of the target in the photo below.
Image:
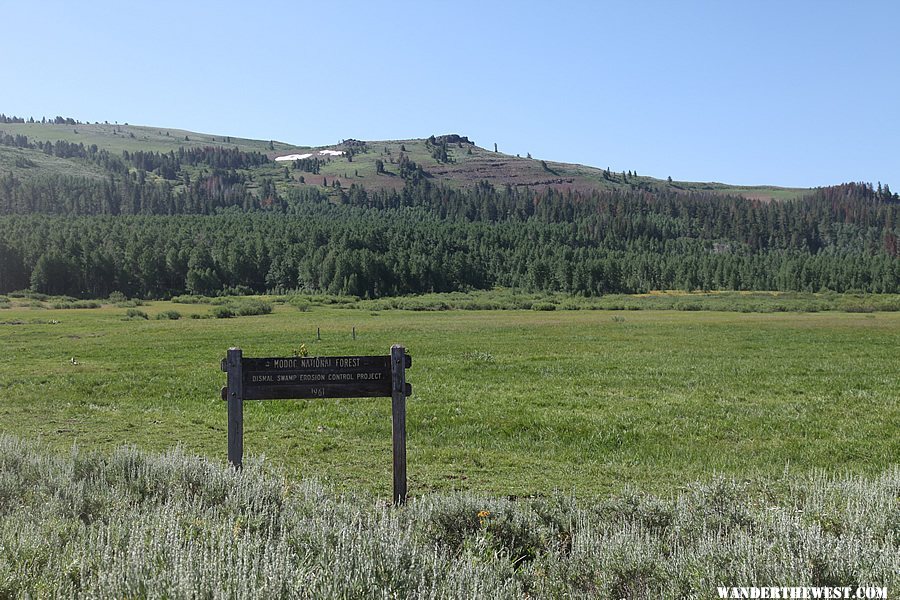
[132, 524]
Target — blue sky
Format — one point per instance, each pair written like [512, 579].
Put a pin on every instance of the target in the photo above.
[785, 93]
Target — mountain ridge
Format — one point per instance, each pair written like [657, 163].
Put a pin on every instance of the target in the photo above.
[449, 159]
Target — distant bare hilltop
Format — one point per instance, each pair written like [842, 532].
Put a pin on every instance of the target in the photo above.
[450, 159]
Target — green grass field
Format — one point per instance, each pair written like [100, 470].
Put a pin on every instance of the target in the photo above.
[504, 402]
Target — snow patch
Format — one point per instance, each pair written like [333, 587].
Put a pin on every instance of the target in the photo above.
[291, 157]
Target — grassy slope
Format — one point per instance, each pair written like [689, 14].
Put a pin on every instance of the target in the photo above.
[518, 402]
[36, 163]
[465, 169]
[134, 137]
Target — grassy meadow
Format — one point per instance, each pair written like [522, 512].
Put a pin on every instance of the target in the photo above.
[505, 403]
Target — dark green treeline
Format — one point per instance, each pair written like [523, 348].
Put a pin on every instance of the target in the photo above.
[347, 250]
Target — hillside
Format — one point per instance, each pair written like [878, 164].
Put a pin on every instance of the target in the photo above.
[116, 137]
[450, 160]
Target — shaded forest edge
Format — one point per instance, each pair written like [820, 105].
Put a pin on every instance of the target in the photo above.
[202, 221]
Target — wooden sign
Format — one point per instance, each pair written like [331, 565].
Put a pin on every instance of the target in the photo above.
[319, 377]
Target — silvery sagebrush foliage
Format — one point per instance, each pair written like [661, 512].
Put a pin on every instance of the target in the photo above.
[137, 525]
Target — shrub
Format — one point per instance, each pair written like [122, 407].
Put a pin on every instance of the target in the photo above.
[858, 308]
[77, 304]
[690, 306]
[221, 312]
[244, 307]
[543, 306]
[117, 297]
[241, 308]
[252, 306]
[133, 313]
[187, 299]
[131, 303]
[172, 315]
[331, 299]
[884, 303]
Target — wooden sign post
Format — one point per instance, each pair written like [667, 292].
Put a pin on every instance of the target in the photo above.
[319, 377]
[399, 391]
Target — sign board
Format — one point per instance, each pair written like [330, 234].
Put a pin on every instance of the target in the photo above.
[319, 377]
